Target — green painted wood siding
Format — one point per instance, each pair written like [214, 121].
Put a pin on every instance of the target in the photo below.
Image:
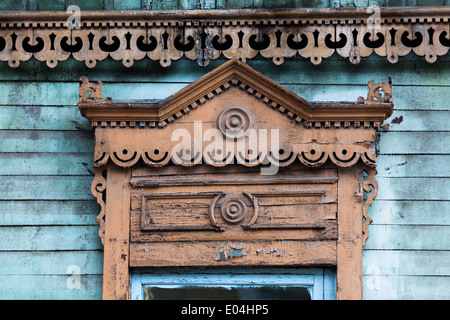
[50, 5]
[47, 215]
[46, 149]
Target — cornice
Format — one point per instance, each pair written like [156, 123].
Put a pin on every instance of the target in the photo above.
[165, 36]
[273, 16]
[366, 112]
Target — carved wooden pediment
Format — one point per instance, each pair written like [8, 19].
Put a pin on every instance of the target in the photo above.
[234, 170]
[131, 131]
[202, 36]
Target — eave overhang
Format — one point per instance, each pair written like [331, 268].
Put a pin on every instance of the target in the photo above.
[202, 36]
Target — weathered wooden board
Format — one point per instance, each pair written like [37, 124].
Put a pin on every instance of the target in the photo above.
[413, 165]
[413, 143]
[46, 141]
[46, 163]
[48, 212]
[408, 237]
[410, 71]
[62, 94]
[234, 253]
[66, 93]
[406, 288]
[405, 212]
[418, 120]
[45, 187]
[42, 118]
[50, 287]
[24, 238]
[51, 262]
[414, 188]
[204, 5]
[406, 263]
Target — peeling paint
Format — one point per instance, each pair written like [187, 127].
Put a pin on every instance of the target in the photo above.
[397, 120]
[397, 165]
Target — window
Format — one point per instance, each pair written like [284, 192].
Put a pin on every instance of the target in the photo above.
[236, 284]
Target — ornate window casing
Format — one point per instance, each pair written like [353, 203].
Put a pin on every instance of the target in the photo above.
[234, 170]
[165, 36]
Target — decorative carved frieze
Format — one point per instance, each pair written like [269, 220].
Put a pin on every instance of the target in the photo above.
[203, 36]
[154, 122]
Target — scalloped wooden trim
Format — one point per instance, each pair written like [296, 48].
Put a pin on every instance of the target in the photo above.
[203, 36]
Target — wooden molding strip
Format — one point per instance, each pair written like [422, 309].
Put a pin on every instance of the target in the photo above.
[147, 183]
[202, 36]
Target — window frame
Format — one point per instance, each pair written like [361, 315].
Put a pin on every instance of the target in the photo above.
[320, 282]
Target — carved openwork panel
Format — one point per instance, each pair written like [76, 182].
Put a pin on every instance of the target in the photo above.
[202, 36]
[234, 170]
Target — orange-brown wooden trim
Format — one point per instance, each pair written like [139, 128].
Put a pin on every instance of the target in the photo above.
[138, 34]
[366, 110]
[116, 275]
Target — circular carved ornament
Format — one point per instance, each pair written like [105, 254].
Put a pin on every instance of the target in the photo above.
[233, 210]
[234, 122]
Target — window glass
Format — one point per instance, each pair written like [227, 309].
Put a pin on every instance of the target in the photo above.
[226, 293]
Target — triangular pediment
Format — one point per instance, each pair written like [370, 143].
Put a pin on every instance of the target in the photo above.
[231, 74]
[234, 74]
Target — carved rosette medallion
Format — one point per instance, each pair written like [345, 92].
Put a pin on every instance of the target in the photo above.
[234, 122]
[233, 210]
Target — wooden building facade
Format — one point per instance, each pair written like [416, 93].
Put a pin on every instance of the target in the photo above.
[335, 69]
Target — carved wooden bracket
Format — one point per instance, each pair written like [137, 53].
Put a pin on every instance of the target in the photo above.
[202, 36]
[234, 169]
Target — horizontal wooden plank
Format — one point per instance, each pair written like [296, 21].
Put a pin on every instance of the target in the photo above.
[49, 238]
[404, 97]
[48, 163]
[45, 187]
[326, 231]
[406, 263]
[419, 120]
[409, 70]
[55, 5]
[410, 212]
[66, 93]
[408, 237]
[46, 141]
[235, 253]
[413, 188]
[414, 143]
[406, 288]
[43, 118]
[48, 212]
[50, 287]
[412, 165]
[51, 262]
